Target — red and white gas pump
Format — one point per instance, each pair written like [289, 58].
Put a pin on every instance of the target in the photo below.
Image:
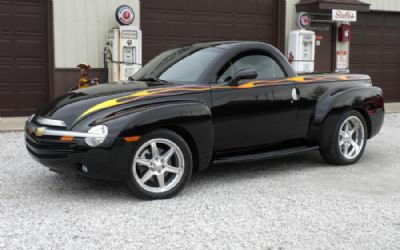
[123, 52]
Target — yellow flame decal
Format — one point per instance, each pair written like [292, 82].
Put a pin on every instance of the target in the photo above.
[145, 93]
[113, 102]
[125, 99]
[297, 79]
[246, 85]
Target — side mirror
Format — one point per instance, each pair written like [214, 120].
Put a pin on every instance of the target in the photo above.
[242, 75]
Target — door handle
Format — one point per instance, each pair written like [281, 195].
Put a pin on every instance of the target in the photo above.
[295, 94]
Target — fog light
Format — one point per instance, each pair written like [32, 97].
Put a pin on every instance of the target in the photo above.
[99, 135]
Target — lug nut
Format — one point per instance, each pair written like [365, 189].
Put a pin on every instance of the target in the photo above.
[85, 169]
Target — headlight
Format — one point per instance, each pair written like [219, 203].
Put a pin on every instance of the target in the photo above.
[100, 133]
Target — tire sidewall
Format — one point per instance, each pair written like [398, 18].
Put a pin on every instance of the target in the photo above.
[187, 172]
[335, 139]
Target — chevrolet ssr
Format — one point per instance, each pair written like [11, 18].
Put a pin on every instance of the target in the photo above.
[201, 105]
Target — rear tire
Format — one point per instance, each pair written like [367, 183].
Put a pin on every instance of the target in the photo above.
[343, 139]
[161, 166]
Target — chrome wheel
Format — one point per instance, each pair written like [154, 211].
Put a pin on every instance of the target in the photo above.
[158, 165]
[351, 137]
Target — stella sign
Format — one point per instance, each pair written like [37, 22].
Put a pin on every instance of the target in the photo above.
[344, 15]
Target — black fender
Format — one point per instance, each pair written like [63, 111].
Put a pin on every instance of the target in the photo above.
[368, 100]
[190, 119]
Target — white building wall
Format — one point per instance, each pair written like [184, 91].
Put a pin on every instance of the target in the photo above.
[290, 19]
[81, 29]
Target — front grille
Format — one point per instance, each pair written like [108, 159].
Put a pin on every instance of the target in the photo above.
[47, 147]
[47, 144]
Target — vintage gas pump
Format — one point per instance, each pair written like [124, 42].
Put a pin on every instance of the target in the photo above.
[123, 52]
[302, 50]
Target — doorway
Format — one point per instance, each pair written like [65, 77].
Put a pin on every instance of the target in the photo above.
[324, 47]
[24, 74]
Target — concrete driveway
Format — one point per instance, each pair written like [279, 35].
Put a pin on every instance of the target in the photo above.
[298, 202]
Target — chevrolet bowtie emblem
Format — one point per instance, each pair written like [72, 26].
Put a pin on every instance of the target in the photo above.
[40, 132]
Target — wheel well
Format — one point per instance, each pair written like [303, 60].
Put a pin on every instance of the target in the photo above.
[366, 118]
[315, 131]
[189, 140]
[361, 111]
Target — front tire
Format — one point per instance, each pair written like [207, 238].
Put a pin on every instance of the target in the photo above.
[344, 140]
[161, 166]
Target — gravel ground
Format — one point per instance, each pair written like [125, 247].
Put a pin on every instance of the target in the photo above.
[294, 203]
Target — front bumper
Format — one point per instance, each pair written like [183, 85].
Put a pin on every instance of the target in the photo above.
[104, 162]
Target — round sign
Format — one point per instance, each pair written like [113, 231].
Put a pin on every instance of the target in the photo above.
[125, 15]
[303, 20]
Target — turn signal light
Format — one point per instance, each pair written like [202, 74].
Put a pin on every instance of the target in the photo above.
[67, 138]
[132, 138]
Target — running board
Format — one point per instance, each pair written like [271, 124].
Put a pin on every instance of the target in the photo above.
[262, 156]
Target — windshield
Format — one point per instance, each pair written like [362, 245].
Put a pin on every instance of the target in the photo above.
[182, 65]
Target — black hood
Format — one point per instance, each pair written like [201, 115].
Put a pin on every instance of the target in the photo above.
[71, 106]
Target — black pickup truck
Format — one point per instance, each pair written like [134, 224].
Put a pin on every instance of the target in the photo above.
[201, 105]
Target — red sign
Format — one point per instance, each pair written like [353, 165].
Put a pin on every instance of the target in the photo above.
[303, 20]
[125, 15]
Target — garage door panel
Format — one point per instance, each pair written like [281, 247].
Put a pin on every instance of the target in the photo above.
[29, 49]
[200, 30]
[153, 28]
[8, 100]
[152, 5]
[177, 5]
[356, 58]
[391, 21]
[376, 51]
[177, 28]
[23, 57]
[376, 75]
[30, 99]
[266, 7]
[200, 6]
[32, 75]
[246, 6]
[224, 31]
[222, 6]
[7, 48]
[5, 22]
[7, 76]
[372, 38]
[373, 57]
[391, 58]
[389, 75]
[34, 2]
[391, 38]
[357, 37]
[390, 93]
[265, 36]
[193, 21]
[5, 6]
[246, 31]
[29, 24]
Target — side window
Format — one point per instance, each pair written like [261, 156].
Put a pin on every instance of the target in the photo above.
[265, 66]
